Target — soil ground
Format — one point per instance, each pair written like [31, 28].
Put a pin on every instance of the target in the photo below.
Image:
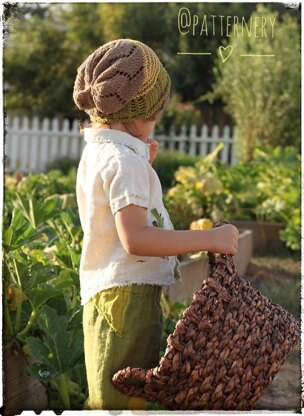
[279, 279]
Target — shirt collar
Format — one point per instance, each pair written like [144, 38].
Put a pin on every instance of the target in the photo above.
[116, 136]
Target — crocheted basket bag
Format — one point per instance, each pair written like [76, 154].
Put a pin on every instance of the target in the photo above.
[224, 351]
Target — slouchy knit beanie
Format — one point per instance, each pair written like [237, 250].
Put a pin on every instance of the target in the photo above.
[122, 80]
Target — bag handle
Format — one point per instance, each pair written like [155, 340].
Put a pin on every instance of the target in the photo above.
[226, 259]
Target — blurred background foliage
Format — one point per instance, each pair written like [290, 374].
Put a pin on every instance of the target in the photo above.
[45, 44]
[263, 94]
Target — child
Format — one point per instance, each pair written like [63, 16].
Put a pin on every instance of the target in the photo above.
[129, 244]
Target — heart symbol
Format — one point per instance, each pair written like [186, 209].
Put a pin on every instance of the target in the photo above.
[228, 51]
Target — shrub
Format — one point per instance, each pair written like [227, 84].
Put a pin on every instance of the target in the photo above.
[64, 164]
[168, 162]
[263, 94]
[198, 192]
[42, 244]
[266, 189]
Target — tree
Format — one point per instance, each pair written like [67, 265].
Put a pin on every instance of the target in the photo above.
[41, 58]
[47, 44]
[263, 93]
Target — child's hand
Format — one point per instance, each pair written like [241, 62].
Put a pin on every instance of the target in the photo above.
[153, 149]
[224, 239]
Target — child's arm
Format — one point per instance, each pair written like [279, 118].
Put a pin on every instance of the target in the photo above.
[142, 240]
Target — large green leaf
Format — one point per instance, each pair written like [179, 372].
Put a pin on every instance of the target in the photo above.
[38, 349]
[44, 273]
[76, 319]
[76, 350]
[64, 201]
[25, 279]
[38, 297]
[19, 233]
[65, 279]
[65, 351]
[43, 372]
[63, 254]
[36, 212]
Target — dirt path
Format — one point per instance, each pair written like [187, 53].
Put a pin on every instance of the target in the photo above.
[280, 280]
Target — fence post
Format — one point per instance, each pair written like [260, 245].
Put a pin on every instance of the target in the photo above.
[24, 145]
[34, 156]
[215, 139]
[31, 147]
[13, 160]
[44, 148]
[75, 149]
[54, 141]
[65, 139]
[203, 141]
[193, 140]
[181, 139]
[226, 140]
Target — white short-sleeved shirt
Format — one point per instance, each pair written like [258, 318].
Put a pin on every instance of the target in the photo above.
[114, 171]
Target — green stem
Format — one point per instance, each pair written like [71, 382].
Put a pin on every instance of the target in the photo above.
[18, 315]
[17, 274]
[64, 392]
[33, 316]
[32, 214]
[69, 231]
[7, 263]
[19, 304]
[20, 340]
[7, 317]
[53, 224]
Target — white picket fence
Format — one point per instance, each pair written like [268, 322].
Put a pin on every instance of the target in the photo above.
[30, 144]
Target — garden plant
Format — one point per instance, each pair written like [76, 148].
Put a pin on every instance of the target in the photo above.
[265, 189]
[42, 236]
[42, 245]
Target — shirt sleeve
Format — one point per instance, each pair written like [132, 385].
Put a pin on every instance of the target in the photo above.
[126, 182]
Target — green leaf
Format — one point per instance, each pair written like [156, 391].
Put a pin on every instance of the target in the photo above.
[19, 233]
[36, 212]
[43, 273]
[213, 155]
[63, 254]
[24, 279]
[159, 219]
[43, 372]
[65, 350]
[76, 319]
[76, 350]
[75, 257]
[65, 279]
[39, 296]
[56, 339]
[38, 349]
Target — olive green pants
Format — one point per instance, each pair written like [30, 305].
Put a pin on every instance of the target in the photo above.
[122, 327]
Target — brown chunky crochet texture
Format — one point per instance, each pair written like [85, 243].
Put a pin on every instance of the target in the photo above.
[224, 351]
[121, 81]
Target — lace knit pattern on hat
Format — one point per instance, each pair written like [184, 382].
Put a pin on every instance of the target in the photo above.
[122, 80]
